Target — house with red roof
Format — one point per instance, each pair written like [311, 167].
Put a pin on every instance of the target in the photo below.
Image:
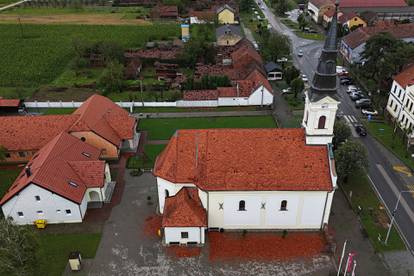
[400, 104]
[59, 183]
[98, 121]
[353, 44]
[8, 106]
[317, 8]
[235, 179]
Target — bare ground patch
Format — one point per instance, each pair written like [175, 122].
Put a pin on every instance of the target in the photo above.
[83, 19]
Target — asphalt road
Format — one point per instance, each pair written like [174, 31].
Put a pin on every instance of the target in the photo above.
[387, 182]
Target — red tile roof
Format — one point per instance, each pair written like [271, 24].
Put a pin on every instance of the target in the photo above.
[65, 166]
[361, 35]
[102, 116]
[320, 3]
[245, 159]
[32, 132]
[200, 95]
[406, 77]
[184, 209]
[9, 102]
[372, 3]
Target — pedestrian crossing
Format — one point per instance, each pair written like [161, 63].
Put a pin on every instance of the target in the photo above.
[351, 120]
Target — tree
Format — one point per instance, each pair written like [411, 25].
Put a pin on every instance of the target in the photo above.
[274, 45]
[282, 7]
[350, 157]
[302, 21]
[297, 86]
[111, 79]
[342, 132]
[245, 5]
[2, 152]
[290, 74]
[18, 246]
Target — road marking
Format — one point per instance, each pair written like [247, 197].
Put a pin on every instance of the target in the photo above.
[348, 119]
[396, 192]
[407, 244]
[402, 169]
[410, 187]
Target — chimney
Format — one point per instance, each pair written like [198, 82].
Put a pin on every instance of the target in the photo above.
[28, 171]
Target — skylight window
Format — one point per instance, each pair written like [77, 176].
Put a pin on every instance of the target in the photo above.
[71, 183]
[86, 154]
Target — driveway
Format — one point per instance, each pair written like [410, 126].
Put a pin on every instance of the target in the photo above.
[127, 248]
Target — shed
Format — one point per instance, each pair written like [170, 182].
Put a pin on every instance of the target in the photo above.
[9, 106]
[274, 71]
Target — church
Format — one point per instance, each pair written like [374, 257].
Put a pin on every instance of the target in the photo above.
[253, 179]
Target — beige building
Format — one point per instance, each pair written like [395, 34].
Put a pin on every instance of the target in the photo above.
[226, 15]
[228, 35]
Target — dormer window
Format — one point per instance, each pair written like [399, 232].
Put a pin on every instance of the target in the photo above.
[71, 183]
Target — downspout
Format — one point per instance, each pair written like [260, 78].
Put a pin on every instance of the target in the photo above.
[324, 210]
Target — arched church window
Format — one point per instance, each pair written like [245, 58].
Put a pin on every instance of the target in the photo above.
[321, 122]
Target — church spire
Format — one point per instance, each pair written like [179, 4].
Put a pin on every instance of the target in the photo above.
[324, 81]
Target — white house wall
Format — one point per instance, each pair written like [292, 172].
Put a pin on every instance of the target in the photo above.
[305, 210]
[315, 11]
[261, 96]
[172, 189]
[84, 205]
[203, 198]
[52, 205]
[173, 234]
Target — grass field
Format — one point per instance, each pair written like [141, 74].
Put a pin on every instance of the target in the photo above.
[28, 10]
[162, 129]
[7, 177]
[192, 109]
[384, 133]
[41, 53]
[55, 248]
[371, 214]
[6, 2]
[151, 153]
[52, 111]
[295, 27]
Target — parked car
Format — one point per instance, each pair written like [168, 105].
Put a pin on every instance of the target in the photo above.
[356, 96]
[286, 91]
[369, 111]
[300, 53]
[340, 70]
[351, 88]
[304, 78]
[363, 103]
[360, 129]
[346, 81]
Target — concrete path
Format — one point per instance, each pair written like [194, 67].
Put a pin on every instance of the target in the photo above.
[202, 114]
[248, 33]
[347, 227]
[12, 5]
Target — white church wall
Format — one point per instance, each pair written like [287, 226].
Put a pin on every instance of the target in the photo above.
[261, 96]
[173, 234]
[172, 188]
[299, 204]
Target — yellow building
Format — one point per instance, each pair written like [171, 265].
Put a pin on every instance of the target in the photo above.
[226, 15]
[355, 22]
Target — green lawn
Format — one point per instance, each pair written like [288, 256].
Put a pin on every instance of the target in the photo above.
[363, 195]
[162, 129]
[7, 177]
[147, 161]
[6, 2]
[295, 103]
[53, 111]
[191, 109]
[295, 27]
[72, 77]
[55, 248]
[383, 132]
[38, 54]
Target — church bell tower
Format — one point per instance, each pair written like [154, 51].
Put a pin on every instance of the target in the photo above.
[321, 101]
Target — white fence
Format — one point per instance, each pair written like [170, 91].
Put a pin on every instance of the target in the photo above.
[130, 105]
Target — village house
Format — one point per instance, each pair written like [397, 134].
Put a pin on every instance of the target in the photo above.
[253, 179]
[98, 121]
[274, 71]
[385, 9]
[353, 44]
[228, 35]
[400, 104]
[226, 15]
[10, 106]
[350, 20]
[164, 12]
[60, 182]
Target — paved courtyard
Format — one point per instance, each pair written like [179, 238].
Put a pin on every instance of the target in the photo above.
[127, 248]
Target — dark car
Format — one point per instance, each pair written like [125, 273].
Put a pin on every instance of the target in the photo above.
[356, 96]
[360, 129]
[363, 104]
[346, 81]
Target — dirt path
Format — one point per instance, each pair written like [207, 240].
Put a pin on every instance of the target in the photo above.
[88, 19]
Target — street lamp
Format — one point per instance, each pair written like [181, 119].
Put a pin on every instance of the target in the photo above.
[393, 214]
